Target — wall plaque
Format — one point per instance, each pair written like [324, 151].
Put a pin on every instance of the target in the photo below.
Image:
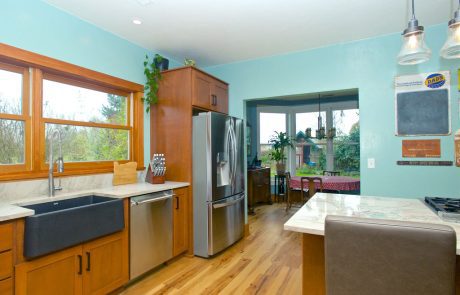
[430, 148]
[425, 163]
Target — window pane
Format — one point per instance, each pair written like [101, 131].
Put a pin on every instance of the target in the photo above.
[68, 102]
[309, 120]
[11, 142]
[10, 92]
[310, 152]
[269, 123]
[83, 144]
[310, 159]
[344, 120]
[346, 144]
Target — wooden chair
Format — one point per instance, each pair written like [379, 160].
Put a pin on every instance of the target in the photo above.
[331, 173]
[311, 187]
[293, 194]
[302, 195]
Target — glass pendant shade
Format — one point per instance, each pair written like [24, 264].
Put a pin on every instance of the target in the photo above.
[414, 49]
[451, 48]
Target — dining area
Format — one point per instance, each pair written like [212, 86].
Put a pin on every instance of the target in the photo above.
[297, 190]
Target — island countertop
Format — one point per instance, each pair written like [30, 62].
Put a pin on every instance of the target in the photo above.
[311, 217]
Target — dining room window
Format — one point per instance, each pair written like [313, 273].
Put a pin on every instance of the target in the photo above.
[311, 155]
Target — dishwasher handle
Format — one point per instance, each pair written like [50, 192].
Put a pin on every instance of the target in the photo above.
[152, 200]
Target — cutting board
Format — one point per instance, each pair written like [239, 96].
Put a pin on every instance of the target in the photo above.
[124, 173]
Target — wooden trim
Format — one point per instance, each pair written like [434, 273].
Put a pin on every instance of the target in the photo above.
[313, 266]
[85, 124]
[61, 78]
[246, 230]
[193, 68]
[22, 56]
[35, 166]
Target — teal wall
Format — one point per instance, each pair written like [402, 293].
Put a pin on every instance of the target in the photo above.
[369, 65]
[38, 27]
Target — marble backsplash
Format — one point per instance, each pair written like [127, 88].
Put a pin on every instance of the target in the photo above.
[15, 191]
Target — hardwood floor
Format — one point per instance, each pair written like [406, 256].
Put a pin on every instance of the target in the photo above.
[266, 262]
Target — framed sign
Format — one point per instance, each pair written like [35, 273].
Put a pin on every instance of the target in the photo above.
[421, 148]
[422, 104]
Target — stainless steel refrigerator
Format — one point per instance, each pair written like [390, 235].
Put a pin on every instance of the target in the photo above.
[218, 182]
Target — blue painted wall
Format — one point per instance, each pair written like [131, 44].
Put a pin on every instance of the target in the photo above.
[369, 65]
[38, 27]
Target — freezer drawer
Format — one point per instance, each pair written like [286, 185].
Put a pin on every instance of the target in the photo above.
[151, 227]
[226, 223]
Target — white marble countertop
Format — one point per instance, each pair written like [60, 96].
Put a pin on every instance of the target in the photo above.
[311, 217]
[13, 211]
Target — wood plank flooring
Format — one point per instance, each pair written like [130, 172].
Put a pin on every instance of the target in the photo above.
[266, 262]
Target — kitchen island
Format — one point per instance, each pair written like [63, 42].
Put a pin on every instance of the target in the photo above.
[310, 219]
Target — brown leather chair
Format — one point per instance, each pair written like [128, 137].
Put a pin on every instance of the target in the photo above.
[382, 257]
[331, 173]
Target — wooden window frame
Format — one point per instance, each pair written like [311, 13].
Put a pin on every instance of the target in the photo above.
[38, 67]
[23, 117]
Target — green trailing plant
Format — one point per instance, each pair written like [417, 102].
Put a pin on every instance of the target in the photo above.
[279, 142]
[189, 62]
[153, 76]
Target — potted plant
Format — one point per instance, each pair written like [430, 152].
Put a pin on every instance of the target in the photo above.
[152, 72]
[279, 142]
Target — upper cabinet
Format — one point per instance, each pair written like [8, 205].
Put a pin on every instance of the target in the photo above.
[208, 92]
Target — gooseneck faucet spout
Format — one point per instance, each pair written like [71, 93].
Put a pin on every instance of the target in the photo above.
[59, 162]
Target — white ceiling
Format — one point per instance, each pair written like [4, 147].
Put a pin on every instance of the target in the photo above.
[223, 31]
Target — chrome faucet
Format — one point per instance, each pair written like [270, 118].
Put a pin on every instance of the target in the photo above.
[60, 164]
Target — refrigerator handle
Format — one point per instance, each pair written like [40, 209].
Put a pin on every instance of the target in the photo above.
[234, 158]
[227, 204]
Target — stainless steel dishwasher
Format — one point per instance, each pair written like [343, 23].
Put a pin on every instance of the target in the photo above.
[151, 227]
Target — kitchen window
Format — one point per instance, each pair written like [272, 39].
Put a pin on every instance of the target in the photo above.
[100, 117]
[14, 118]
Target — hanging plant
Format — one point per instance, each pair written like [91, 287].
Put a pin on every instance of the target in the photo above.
[152, 72]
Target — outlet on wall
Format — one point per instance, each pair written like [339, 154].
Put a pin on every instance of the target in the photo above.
[370, 163]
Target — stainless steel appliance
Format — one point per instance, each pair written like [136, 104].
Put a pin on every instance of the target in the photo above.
[447, 209]
[218, 182]
[150, 231]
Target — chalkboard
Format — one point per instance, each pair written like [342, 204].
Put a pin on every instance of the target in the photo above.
[423, 113]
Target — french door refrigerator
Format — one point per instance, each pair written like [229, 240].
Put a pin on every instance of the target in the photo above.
[218, 182]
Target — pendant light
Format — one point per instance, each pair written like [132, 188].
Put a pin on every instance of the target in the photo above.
[451, 48]
[414, 49]
[320, 132]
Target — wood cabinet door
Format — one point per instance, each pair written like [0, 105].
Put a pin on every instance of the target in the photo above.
[201, 94]
[54, 274]
[105, 264]
[220, 92]
[180, 221]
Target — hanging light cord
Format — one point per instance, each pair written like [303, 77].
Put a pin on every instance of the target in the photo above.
[413, 9]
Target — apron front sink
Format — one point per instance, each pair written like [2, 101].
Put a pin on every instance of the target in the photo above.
[60, 224]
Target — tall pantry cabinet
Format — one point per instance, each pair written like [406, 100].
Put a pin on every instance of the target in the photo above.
[183, 92]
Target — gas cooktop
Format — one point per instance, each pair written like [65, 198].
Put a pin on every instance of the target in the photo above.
[447, 208]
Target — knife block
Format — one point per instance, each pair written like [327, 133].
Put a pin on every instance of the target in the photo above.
[150, 178]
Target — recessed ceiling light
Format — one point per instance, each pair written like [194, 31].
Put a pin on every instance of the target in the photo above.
[137, 21]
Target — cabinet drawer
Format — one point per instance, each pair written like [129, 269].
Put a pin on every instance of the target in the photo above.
[6, 264]
[6, 236]
[6, 287]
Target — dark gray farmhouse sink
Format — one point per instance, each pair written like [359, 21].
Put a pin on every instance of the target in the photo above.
[60, 224]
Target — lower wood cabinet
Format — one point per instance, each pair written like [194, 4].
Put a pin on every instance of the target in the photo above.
[106, 266]
[96, 267]
[58, 273]
[258, 187]
[181, 209]
[6, 258]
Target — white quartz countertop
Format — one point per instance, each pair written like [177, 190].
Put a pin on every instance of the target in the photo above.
[311, 217]
[13, 211]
